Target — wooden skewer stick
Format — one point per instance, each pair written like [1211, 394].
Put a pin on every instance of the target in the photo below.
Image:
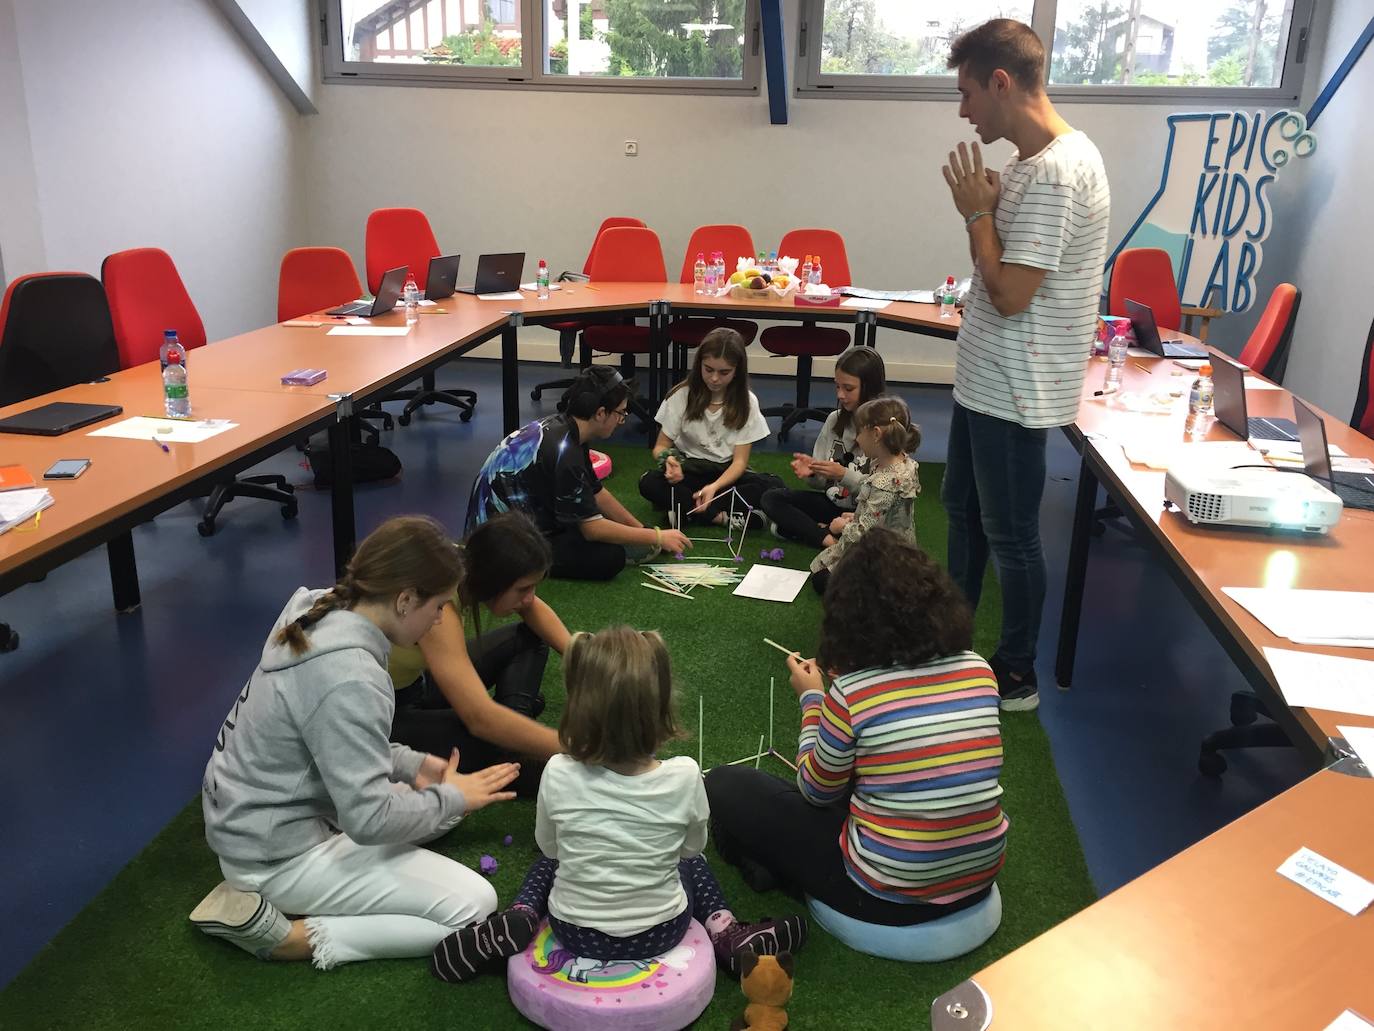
[785, 651]
[664, 590]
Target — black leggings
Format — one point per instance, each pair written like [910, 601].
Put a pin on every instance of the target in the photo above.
[656, 490]
[511, 659]
[704, 899]
[799, 513]
[576, 558]
[760, 820]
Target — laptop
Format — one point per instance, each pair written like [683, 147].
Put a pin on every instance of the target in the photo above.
[497, 274]
[388, 293]
[57, 418]
[1142, 318]
[443, 276]
[1228, 380]
[1356, 490]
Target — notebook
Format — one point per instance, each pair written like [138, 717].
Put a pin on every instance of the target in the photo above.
[15, 477]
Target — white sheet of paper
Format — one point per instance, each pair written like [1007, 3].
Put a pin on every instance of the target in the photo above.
[1255, 383]
[864, 302]
[534, 287]
[1330, 881]
[1321, 615]
[167, 431]
[368, 331]
[1317, 681]
[20, 504]
[424, 303]
[772, 583]
[509, 295]
[1362, 740]
[1349, 1021]
[356, 320]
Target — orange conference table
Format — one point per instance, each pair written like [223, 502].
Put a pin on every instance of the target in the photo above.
[1212, 938]
[130, 481]
[1204, 559]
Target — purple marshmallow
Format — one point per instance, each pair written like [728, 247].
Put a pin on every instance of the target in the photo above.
[488, 865]
[508, 840]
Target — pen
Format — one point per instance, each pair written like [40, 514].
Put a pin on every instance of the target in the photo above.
[160, 444]
[1141, 366]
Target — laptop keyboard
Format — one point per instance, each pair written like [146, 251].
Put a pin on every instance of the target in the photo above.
[1354, 490]
[1271, 429]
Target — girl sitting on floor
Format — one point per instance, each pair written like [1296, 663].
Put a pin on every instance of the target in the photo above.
[442, 700]
[308, 807]
[834, 470]
[709, 423]
[887, 496]
[622, 831]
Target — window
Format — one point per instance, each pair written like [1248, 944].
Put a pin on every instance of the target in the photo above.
[1100, 49]
[698, 45]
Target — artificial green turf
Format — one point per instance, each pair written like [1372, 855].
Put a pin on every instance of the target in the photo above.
[131, 959]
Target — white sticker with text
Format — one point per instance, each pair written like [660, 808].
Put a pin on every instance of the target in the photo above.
[1336, 884]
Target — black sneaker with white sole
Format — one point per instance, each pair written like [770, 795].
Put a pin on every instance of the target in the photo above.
[483, 947]
[1017, 695]
[766, 937]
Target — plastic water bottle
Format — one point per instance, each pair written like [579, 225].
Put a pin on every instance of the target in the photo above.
[1116, 361]
[699, 274]
[708, 274]
[719, 258]
[817, 276]
[169, 340]
[176, 391]
[772, 269]
[1200, 402]
[806, 271]
[412, 299]
[541, 280]
[948, 298]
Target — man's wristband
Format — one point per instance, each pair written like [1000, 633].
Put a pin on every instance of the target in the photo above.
[658, 538]
[968, 222]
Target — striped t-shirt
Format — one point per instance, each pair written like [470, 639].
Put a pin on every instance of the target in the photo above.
[1051, 214]
[919, 750]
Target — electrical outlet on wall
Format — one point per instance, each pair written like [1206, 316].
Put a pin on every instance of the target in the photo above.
[632, 148]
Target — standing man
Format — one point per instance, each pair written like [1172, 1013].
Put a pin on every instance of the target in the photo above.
[1038, 235]
[543, 469]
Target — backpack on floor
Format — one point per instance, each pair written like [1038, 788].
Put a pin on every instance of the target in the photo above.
[371, 462]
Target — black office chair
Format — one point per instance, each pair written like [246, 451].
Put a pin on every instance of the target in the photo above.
[55, 332]
[1244, 732]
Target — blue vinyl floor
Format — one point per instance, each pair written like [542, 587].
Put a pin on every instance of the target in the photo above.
[106, 721]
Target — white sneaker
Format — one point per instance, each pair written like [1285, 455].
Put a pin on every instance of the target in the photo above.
[242, 917]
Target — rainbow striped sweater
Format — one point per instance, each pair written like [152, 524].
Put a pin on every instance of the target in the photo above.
[918, 752]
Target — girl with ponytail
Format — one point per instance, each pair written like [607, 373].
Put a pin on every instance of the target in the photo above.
[307, 805]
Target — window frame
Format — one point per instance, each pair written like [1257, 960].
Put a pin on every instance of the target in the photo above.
[530, 73]
[811, 83]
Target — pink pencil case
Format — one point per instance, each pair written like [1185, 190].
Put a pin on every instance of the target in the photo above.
[303, 377]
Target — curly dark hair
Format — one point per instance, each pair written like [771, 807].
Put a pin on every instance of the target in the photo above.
[888, 603]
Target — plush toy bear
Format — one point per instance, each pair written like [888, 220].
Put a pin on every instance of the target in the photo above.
[767, 984]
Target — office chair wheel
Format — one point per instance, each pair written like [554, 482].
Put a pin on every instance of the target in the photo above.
[465, 415]
[387, 424]
[1211, 764]
[403, 419]
[1098, 528]
[9, 639]
[289, 510]
[1244, 709]
[536, 394]
[206, 527]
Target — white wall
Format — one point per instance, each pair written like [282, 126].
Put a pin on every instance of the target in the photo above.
[21, 234]
[1324, 248]
[151, 124]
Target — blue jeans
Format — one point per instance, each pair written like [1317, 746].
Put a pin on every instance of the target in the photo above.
[994, 479]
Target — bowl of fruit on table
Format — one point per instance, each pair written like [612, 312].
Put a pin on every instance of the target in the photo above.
[755, 283]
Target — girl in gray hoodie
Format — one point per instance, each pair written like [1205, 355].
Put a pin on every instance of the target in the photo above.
[308, 806]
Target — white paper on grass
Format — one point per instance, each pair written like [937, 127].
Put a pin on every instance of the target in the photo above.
[1308, 614]
[1316, 681]
[772, 583]
[165, 431]
[1362, 740]
[369, 331]
[1330, 881]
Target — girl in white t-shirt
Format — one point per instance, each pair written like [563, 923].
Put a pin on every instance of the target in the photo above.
[708, 424]
[622, 831]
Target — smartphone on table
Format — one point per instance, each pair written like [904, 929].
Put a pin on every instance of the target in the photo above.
[67, 469]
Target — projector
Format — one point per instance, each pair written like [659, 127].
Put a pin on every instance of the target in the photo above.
[1258, 498]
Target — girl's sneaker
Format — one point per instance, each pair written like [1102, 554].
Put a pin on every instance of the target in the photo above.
[766, 937]
[483, 947]
[242, 917]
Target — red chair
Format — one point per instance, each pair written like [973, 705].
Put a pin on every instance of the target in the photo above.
[1146, 275]
[146, 297]
[569, 329]
[734, 242]
[809, 341]
[1362, 418]
[1266, 352]
[626, 254]
[314, 279]
[402, 236]
[55, 332]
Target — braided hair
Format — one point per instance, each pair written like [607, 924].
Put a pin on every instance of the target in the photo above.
[404, 553]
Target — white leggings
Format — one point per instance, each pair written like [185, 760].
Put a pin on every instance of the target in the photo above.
[369, 901]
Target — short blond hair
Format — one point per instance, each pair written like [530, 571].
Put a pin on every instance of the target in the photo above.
[620, 696]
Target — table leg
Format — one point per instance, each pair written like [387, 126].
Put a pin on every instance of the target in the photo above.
[510, 378]
[1077, 571]
[657, 368]
[123, 572]
[341, 496]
